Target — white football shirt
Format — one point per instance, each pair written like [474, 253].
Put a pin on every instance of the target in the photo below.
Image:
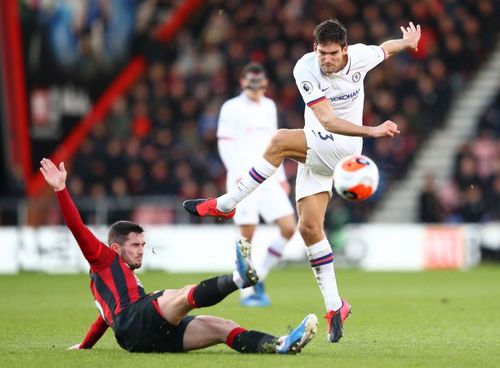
[344, 89]
[249, 125]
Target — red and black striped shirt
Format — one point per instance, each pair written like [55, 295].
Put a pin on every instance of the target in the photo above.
[113, 284]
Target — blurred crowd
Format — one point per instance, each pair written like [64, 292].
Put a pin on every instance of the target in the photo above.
[82, 39]
[159, 139]
[473, 194]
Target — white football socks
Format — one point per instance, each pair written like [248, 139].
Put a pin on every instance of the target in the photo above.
[272, 257]
[237, 279]
[321, 257]
[256, 176]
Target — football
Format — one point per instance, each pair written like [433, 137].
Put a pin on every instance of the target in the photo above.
[356, 178]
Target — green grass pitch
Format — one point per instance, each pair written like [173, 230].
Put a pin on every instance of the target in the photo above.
[427, 319]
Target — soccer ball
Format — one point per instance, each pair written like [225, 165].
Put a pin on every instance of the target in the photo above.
[356, 178]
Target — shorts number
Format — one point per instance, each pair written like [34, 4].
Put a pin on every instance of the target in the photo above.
[324, 137]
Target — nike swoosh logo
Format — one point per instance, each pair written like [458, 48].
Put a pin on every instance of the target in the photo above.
[323, 90]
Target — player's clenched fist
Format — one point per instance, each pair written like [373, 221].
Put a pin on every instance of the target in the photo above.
[386, 129]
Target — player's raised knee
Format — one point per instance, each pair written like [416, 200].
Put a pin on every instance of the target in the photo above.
[279, 141]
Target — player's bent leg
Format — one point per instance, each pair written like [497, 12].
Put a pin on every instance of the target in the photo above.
[289, 143]
[258, 296]
[204, 331]
[287, 226]
[319, 251]
[311, 212]
[247, 231]
[206, 207]
[174, 305]
[286, 143]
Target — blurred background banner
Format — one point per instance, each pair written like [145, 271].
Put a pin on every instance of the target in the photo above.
[211, 248]
[128, 92]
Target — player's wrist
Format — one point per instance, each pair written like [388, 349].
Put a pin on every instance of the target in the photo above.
[371, 132]
[59, 188]
[409, 44]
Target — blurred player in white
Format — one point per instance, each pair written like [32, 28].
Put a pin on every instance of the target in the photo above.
[330, 80]
[247, 123]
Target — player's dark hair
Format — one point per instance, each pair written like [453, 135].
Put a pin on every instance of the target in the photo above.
[330, 31]
[118, 232]
[252, 68]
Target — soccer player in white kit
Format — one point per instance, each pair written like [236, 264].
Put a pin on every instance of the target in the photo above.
[246, 124]
[330, 80]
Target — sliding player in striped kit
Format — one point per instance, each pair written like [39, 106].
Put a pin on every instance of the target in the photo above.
[158, 321]
[330, 80]
[246, 125]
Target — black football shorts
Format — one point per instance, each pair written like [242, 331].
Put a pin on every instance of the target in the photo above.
[140, 328]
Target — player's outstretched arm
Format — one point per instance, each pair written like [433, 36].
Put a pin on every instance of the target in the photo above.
[95, 332]
[91, 247]
[411, 37]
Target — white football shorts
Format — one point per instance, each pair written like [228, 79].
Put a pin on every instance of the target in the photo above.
[269, 200]
[325, 150]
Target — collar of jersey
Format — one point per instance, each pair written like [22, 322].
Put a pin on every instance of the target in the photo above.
[248, 100]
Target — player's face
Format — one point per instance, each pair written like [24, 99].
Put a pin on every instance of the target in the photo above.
[254, 85]
[331, 57]
[132, 250]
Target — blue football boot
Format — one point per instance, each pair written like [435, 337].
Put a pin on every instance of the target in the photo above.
[259, 298]
[298, 338]
[244, 263]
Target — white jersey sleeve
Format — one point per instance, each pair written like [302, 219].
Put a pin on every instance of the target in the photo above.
[226, 137]
[305, 78]
[370, 56]
[274, 120]
[225, 125]
[280, 173]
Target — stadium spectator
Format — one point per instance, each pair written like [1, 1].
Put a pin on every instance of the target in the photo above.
[430, 210]
[472, 193]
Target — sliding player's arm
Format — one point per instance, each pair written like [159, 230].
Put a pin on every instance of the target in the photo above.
[93, 250]
[411, 36]
[95, 332]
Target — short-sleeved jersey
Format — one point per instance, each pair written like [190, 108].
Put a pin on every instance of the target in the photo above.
[343, 90]
[250, 125]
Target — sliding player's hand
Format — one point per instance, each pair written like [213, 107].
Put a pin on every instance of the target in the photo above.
[56, 177]
[74, 347]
